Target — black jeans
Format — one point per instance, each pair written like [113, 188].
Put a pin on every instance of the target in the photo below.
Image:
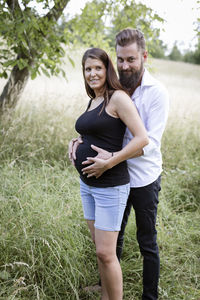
[144, 201]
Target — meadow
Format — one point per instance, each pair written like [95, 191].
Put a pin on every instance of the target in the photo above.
[46, 251]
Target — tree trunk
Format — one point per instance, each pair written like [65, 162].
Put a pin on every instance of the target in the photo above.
[14, 88]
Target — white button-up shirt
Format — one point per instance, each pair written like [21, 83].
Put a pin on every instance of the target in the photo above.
[152, 102]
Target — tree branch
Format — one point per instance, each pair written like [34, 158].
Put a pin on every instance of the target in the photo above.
[13, 4]
[57, 10]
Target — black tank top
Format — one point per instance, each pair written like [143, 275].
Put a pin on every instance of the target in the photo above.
[106, 132]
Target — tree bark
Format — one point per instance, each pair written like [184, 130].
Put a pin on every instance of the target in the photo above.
[14, 87]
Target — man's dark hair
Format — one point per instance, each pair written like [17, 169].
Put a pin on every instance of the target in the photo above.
[129, 36]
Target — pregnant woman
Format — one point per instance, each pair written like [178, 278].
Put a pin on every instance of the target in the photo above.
[109, 112]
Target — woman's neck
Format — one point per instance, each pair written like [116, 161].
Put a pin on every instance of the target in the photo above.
[99, 98]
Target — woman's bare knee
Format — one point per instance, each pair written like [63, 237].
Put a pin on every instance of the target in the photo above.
[104, 256]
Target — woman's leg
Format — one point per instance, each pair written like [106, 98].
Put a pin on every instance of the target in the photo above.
[106, 206]
[104, 293]
[109, 267]
[92, 231]
[89, 214]
[109, 209]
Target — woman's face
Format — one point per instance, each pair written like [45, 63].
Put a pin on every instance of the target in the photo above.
[95, 74]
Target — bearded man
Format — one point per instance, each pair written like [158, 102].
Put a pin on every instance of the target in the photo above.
[152, 102]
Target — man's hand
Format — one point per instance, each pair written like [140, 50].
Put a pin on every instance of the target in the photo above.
[73, 145]
[99, 165]
[101, 153]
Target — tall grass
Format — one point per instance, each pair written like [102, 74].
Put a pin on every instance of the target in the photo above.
[45, 248]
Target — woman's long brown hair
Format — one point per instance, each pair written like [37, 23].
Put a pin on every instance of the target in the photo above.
[112, 82]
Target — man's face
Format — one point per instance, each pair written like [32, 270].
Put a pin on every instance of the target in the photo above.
[130, 65]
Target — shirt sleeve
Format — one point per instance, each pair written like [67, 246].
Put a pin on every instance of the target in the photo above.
[156, 120]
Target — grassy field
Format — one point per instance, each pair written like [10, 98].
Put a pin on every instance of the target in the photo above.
[45, 248]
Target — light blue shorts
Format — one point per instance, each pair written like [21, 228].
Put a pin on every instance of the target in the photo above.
[104, 205]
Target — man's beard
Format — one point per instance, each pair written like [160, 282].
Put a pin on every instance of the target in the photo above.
[130, 80]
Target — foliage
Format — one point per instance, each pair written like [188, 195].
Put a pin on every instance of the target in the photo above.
[99, 22]
[32, 43]
[143, 18]
[197, 52]
[30, 40]
[189, 56]
[175, 53]
[193, 56]
[158, 50]
[88, 28]
[27, 36]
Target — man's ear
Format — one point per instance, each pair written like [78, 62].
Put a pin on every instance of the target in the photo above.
[145, 55]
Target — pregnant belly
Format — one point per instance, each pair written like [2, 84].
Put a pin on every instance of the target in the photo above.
[83, 151]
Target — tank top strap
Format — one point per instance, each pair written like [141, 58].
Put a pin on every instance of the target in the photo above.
[89, 104]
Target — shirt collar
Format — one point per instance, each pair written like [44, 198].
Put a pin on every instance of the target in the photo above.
[147, 80]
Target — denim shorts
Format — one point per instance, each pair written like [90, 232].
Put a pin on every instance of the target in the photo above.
[104, 205]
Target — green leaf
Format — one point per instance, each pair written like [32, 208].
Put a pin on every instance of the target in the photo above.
[45, 72]
[34, 74]
[11, 62]
[71, 61]
[4, 75]
[63, 73]
[22, 63]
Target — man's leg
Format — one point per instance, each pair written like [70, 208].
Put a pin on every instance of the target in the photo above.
[145, 201]
[120, 240]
